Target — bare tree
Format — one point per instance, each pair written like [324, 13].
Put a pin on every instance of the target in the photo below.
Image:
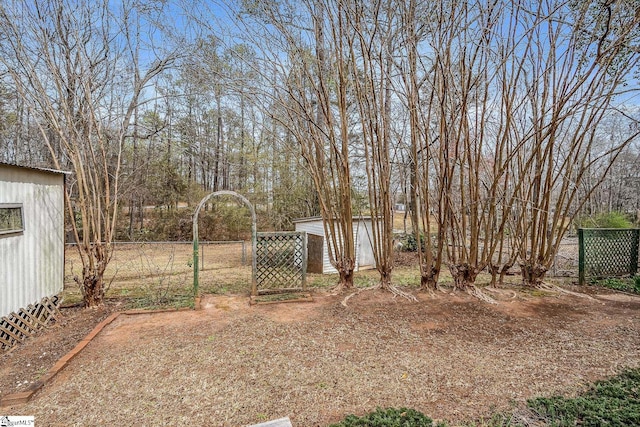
[307, 68]
[75, 66]
[451, 144]
[371, 69]
[414, 71]
[577, 60]
[503, 102]
[368, 30]
[507, 125]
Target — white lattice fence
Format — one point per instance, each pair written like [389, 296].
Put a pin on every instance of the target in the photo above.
[16, 327]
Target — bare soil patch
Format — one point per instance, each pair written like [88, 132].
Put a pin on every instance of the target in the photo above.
[231, 364]
[24, 364]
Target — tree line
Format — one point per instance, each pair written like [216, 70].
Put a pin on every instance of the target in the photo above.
[497, 123]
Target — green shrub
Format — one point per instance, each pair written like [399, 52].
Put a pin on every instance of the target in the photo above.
[631, 285]
[606, 220]
[614, 402]
[408, 242]
[390, 417]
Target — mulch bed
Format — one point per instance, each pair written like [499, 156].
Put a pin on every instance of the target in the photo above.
[24, 364]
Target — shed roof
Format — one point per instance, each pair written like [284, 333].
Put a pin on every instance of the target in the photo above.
[46, 170]
[319, 218]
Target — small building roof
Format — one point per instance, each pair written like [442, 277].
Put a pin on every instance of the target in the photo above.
[319, 218]
[46, 170]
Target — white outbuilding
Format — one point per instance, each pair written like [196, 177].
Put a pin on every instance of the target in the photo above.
[317, 244]
[31, 236]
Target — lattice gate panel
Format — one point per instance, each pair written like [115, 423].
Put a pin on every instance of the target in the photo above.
[607, 252]
[281, 262]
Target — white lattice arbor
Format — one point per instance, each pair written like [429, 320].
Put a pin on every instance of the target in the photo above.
[196, 290]
[279, 260]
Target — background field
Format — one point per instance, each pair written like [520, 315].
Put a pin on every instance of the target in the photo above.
[157, 271]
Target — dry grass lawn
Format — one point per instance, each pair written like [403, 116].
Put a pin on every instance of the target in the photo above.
[449, 356]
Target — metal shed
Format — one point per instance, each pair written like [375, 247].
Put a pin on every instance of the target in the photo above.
[318, 252]
[31, 236]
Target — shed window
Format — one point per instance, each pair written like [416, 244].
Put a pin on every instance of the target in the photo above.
[11, 220]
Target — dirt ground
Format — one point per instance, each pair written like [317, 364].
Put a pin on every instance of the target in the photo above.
[450, 356]
[24, 364]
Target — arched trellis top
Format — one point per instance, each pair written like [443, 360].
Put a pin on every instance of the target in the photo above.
[196, 290]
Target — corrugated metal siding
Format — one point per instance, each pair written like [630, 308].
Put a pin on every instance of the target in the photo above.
[311, 227]
[32, 263]
[364, 250]
[327, 268]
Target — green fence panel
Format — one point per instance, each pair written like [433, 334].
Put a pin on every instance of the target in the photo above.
[281, 262]
[607, 252]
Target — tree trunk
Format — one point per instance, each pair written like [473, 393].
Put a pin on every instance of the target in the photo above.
[464, 275]
[92, 284]
[532, 273]
[429, 278]
[385, 278]
[346, 270]
[92, 281]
